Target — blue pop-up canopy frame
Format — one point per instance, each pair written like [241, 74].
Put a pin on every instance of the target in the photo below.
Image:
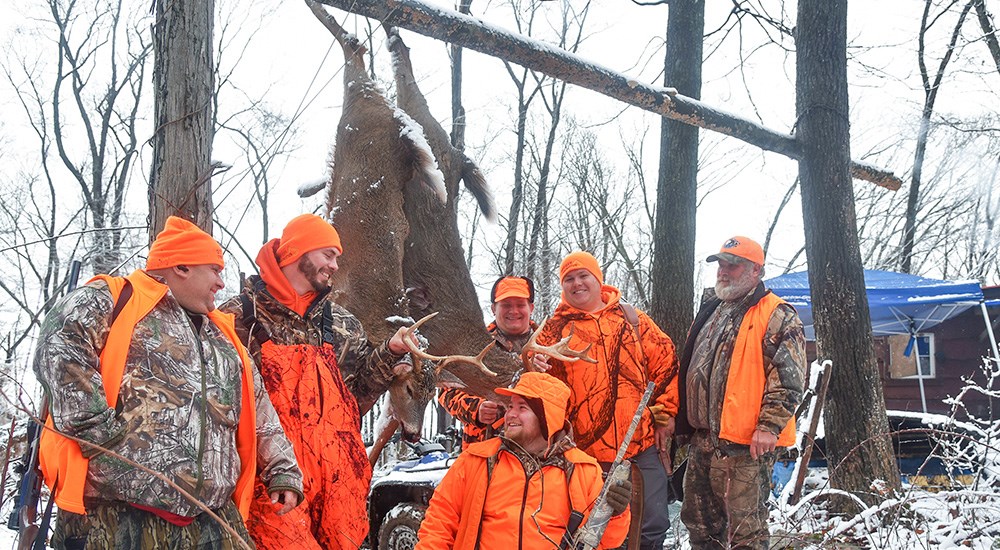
[899, 303]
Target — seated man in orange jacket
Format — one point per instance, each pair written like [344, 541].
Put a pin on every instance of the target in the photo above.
[518, 490]
[513, 301]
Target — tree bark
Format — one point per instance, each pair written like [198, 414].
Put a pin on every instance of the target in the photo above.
[858, 445]
[455, 28]
[183, 82]
[672, 305]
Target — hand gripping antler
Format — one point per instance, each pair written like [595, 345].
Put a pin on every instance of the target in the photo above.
[447, 359]
[560, 350]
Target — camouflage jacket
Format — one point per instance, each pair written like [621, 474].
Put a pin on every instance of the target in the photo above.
[178, 408]
[707, 354]
[366, 368]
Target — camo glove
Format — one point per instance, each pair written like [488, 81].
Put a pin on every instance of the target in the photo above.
[619, 495]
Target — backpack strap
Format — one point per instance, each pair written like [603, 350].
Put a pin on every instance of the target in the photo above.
[632, 317]
[255, 331]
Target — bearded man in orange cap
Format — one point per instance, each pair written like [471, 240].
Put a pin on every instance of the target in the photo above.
[741, 379]
[519, 490]
[512, 303]
[144, 370]
[629, 351]
[302, 340]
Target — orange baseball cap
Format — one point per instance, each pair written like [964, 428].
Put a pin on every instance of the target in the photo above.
[305, 233]
[513, 287]
[183, 243]
[739, 247]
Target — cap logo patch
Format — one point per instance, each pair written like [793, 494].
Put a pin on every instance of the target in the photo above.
[731, 243]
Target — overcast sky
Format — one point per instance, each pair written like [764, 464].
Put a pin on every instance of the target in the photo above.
[293, 63]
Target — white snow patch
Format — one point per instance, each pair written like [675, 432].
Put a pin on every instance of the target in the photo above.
[310, 188]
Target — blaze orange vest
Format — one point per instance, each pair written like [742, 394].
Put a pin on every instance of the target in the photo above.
[60, 458]
[745, 383]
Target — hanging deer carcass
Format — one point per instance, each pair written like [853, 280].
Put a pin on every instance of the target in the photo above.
[397, 235]
[378, 152]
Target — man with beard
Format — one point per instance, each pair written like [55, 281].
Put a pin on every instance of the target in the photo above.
[302, 340]
[513, 301]
[741, 378]
[519, 490]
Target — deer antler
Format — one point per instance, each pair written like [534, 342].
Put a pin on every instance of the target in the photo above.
[560, 350]
[447, 359]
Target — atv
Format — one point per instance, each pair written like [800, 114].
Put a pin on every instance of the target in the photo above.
[399, 495]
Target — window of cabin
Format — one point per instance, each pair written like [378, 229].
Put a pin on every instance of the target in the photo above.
[903, 366]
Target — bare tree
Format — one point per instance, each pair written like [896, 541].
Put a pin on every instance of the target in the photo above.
[859, 447]
[931, 88]
[85, 120]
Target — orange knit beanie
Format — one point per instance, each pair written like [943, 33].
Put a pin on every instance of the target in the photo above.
[581, 260]
[306, 233]
[183, 243]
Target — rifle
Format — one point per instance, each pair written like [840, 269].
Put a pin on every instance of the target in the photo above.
[24, 518]
[588, 537]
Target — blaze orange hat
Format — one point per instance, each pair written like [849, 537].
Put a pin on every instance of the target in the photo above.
[581, 260]
[553, 394]
[183, 243]
[739, 247]
[305, 233]
[513, 287]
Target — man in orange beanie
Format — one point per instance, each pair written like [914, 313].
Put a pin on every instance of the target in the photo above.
[630, 351]
[513, 301]
[303, 340]
[519, 490]
[144, 368]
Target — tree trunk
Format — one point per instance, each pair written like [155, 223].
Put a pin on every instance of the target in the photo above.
[672, 304]
[858, 445]
[455, 28]
[183, 82]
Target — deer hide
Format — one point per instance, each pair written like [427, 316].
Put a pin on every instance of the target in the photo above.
[434, 268]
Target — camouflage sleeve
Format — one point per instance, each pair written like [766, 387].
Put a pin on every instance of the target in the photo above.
[461, 404]
[661, 365]
[367, 369]
[784, 369]
[276, 460]
[67, 363]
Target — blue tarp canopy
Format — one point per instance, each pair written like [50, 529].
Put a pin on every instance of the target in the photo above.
[899, 303]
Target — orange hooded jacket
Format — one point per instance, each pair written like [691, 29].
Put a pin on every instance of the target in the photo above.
[61, 459]
[605, 395]
[486, 500]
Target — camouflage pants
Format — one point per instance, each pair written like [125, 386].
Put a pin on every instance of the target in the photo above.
[120, 526]
[725, 496]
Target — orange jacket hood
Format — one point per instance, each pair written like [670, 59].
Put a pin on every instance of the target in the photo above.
[277, 283]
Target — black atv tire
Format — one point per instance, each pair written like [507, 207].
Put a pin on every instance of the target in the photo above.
[400, 527]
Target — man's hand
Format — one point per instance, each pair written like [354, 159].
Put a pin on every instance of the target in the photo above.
[397, 344]
[540, 362]
[619, 495]
[489, 412]
[762, 442]
[662, 436]
[286, 500]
